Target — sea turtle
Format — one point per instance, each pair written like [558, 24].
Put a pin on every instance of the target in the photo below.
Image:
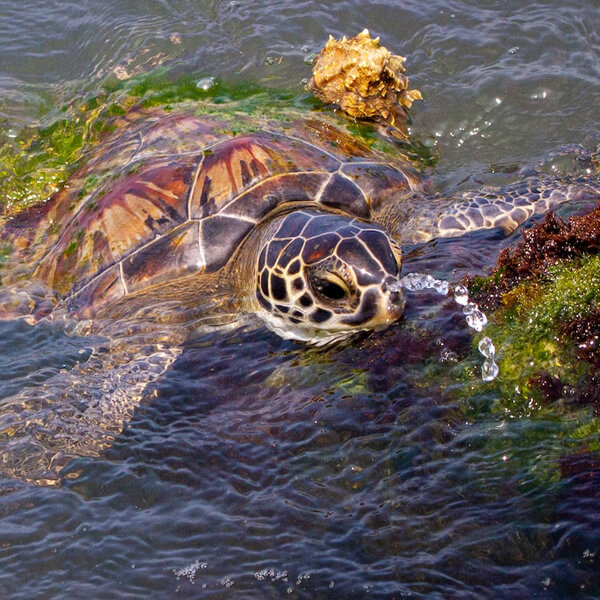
[174, 220]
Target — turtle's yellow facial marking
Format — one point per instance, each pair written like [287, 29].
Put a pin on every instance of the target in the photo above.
[321, 277]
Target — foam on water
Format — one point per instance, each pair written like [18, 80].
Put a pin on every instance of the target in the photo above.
[476, 319]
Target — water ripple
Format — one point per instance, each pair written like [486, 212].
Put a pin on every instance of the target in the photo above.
[259, 469]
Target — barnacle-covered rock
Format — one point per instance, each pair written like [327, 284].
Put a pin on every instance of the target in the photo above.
[364, 79]
[544, 308]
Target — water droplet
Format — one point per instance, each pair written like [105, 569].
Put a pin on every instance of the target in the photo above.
[486, 347]
[205, 83]
[489, 370]
[475, 318]
[415, 282]
[461, 295]
[441, 286]
[448, 356]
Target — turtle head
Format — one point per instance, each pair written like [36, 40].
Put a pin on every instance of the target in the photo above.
[320, 277]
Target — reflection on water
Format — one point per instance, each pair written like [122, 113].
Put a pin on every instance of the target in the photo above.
[257, 468]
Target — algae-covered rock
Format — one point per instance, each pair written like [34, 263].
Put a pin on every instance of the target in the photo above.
[364, 79]
[545, 298]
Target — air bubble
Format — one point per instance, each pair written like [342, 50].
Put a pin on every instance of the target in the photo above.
[486, 347]
[489, 369]
[461, 295]
[190, 571]
[475, 318]
[415, 282]
[205, 83]
[442, 287]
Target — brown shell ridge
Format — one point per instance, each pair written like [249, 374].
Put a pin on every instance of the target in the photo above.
[304, 143]
[95, 278]
[121, 277]
[201, 252]
[98, 192]
[341, 173]
[261, 182]
[370, 163]
[193, 186]
[84, 204]
[324, 186]
[129, 255]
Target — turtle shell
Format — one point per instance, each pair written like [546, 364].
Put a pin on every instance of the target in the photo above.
[173, 194]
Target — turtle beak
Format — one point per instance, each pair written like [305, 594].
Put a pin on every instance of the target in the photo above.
[395, 299]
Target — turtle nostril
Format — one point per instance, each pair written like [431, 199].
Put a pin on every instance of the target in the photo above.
[392, 285]
[396, 302]
[396, 297]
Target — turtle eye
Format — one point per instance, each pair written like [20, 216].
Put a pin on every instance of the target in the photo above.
[331, 287]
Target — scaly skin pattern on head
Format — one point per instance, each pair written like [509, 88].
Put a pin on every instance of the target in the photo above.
[321, 276]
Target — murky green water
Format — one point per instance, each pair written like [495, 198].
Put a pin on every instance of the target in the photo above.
[261, 469]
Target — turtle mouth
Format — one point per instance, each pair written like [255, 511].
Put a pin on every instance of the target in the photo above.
[308, 335]
[378, 309]
[396, 300]
[379, 306]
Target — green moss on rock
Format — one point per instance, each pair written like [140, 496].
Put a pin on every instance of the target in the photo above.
[545, 298]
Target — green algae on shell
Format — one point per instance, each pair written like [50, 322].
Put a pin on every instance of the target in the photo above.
[36, 162]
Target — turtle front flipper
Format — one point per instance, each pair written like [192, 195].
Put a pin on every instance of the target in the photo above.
[79, 412]
[505, 207]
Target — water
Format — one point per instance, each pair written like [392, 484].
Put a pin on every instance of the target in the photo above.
[256, 468]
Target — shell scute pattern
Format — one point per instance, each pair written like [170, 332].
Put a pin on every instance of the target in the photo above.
[236, 164]
[106, 287]
[381, 182]
[171, 194]
[178, 251]
[256, 202]
[343, 194]
[132, 213]
[179, 133]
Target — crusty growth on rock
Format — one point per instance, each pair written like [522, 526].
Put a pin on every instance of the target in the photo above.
[545, 244]
[364, 79]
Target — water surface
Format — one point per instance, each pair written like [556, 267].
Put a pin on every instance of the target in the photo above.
[258, 468]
